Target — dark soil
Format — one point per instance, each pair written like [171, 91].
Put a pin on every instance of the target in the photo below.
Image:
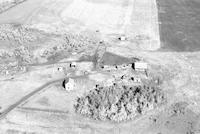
[113, 59]
[180, 25]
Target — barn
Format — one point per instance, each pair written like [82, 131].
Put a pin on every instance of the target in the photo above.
[140, 66]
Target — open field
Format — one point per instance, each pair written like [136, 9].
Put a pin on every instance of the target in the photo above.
[109, 18]
[179, 25]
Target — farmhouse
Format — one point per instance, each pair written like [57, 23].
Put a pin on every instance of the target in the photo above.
[140, 66]
[69, 84]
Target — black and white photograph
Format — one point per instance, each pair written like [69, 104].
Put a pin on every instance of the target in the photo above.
[99, 66]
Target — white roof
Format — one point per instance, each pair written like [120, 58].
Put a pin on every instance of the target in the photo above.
[122, 38]
[73, 63]
[142, 65]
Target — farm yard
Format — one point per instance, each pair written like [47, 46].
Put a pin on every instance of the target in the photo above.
[99, 67]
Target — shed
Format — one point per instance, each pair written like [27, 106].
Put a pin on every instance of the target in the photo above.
[60, 69]
[69, 84]
[72, 65]
[122, 38]
[140, 66]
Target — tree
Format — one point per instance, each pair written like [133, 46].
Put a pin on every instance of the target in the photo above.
[118, 102]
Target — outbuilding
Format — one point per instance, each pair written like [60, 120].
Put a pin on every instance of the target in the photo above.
[69, 84]
[72, 65]
[60, 69]
[140, 66]
[122, 38]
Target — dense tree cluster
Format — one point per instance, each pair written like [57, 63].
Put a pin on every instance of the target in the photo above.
[70, 43]
[118, 102]
[23, 46]
[22, 37]
[18, 34]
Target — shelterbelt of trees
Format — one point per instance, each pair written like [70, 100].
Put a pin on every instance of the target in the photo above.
[119, 102]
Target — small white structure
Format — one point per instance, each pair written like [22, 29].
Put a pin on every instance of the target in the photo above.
[74, 53]
[60, 69]
[72, 65]
[140, 66]
[69, 84]
[122, 38]
[6, 72]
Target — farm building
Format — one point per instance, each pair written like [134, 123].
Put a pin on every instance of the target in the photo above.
[140, 66]
[122, 38]
[60, 69]
[72, 65]
[69, 84]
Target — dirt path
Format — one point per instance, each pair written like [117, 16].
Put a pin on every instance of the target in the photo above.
[26, 97]
[10, 5]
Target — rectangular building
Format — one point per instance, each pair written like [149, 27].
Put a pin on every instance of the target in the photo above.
[140, 66]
